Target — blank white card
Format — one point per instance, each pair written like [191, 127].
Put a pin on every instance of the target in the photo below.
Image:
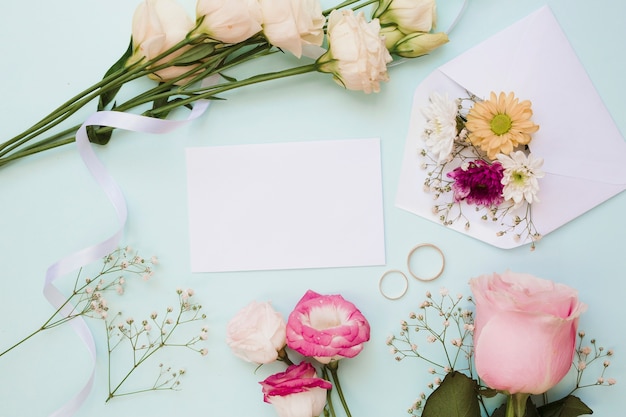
[285, 205]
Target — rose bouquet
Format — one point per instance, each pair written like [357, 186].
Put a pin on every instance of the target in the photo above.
[522, 341]
[190, 59]
[322, 329]
[480, 154]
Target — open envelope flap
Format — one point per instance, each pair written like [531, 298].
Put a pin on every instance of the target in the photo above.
[582, 148]
[533, 58]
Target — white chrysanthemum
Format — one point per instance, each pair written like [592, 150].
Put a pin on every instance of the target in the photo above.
[521, 172]
[440, 128]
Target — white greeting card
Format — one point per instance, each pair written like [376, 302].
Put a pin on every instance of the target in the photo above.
[285, 205]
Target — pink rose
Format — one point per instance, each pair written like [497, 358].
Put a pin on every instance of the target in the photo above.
[256, 333]
[326, 327]
[525, 331]
[297, 392]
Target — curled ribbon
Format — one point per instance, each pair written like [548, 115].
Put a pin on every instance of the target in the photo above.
[90, 254]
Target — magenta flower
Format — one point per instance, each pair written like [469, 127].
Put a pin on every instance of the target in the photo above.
[478, 182]
[297, 392]
[326, 327]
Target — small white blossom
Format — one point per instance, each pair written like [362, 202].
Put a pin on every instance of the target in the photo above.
[440, 129]
[520, 176]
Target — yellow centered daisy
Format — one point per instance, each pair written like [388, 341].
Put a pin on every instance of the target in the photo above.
[500, 124]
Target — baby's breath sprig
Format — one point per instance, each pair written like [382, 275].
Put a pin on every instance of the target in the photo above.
[588, 354]
[149, 336]
[88, 295]
[444, 321]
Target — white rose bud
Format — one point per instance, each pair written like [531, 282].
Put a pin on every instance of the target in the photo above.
[418, 44]
[408, 15]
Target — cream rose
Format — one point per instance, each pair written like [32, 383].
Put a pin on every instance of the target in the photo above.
[525, 331]
[228, 21]
[256, 333]
[157, 26]
[290, 24]
[357, 56]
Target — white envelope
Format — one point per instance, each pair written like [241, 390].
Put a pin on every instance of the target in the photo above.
[583, 150]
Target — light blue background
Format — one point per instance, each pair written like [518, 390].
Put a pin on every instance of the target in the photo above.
[50, 207]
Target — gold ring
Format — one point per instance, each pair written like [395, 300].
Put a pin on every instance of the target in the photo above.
[406, 284]
[430, 245]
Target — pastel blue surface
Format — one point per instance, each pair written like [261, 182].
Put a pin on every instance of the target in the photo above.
[50, 207]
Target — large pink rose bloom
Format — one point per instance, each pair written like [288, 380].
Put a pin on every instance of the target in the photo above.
[326, 327]
[297, 392]
[525, 331]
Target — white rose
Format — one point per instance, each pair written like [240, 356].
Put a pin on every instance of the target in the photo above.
[290, 24]
[408, 15]
[229, 21]
[157, 26]
[357, 56]
[256, 333]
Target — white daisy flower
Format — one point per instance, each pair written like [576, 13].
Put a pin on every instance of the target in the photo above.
[521, 172]
[440, 128]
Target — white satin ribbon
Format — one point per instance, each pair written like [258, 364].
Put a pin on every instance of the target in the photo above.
[74, 261]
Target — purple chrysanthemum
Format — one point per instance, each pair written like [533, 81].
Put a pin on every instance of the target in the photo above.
[478, 182]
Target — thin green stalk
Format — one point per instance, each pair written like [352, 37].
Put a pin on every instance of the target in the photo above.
[205, 93]
[220, 88]
[146, 355]
[333, 367]
[329, 397]
[114, 80]
[49, 323]
[516, 405]
[163, 90]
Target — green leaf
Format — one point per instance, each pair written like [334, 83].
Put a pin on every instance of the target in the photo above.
[487, 392]
[228, 78]
[570, 406]
[107, 97]
[99, 135]
[457, 396]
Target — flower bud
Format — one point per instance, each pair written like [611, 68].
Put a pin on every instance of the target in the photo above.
[408, 15]
[418, 44]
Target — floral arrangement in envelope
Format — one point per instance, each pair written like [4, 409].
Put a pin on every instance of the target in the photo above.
[507, 147]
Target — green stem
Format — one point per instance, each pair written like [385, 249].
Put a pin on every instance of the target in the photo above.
[516, 405]
[221, 88]
[112, 81]
[333, 368]
[329, 397]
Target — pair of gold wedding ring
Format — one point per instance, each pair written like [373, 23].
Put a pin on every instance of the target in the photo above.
[413, 274]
